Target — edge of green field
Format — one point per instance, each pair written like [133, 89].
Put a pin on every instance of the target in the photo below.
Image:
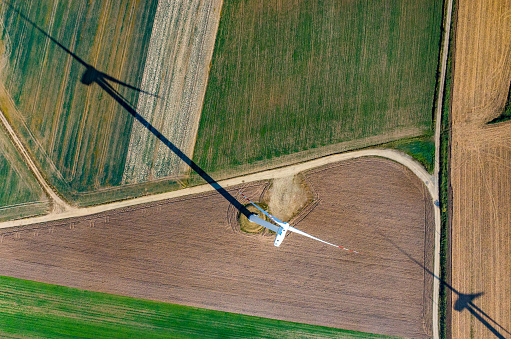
[20, 193]
[506, 114]
[33, 309]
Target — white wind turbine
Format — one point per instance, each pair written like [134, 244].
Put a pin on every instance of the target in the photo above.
[282, 227]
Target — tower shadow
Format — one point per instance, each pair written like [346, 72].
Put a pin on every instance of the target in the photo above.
[93, 76]
[463, 301]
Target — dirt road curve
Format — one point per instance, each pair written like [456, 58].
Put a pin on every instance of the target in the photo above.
[396, 156]
[185, 250]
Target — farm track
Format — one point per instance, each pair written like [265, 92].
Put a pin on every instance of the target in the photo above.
[480, 171]
[389, 218]
[176, 69]
[287, 171]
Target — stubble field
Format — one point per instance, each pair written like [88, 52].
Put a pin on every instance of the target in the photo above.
[480, 171]
[291, 76]
[176, 69]
[187, 251]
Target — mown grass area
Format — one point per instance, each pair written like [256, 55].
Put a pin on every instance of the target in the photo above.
[77, 133]
[289, 76]
[32, 309]
[421, 149]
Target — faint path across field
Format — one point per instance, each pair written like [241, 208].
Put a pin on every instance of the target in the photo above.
[59, 206]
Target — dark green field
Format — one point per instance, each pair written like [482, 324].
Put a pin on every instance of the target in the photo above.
[288, 76]
[77, 133]
[32, 309]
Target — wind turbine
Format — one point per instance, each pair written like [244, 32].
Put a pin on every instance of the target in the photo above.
[282, 227]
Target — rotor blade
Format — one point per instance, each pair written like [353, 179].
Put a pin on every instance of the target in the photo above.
[292, 229]
[260, 209]
[264, 223]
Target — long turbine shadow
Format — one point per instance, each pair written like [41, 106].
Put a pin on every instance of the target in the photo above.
[92, 75]
[464, 301]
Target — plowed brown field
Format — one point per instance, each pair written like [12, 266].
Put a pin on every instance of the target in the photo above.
[481, 171]
[187, 251]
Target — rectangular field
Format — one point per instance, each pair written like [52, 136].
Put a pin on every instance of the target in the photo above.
[289, 76]
[77, 133]
[481, 172]
[176, 69]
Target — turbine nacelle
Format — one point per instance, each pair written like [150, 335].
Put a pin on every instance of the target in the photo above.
[282, 227]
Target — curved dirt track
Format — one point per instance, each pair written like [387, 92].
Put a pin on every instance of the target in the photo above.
[396, 156]
[185, 251]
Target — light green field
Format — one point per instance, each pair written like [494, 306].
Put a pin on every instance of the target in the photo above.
[77, 133]
[20, 194]
[32, 309]
[289, 76]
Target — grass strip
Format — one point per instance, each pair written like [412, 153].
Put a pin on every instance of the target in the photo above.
[33, 309]
[444, 182]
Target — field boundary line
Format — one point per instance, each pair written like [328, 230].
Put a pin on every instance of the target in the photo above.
[58, 205]
[436, 170]
[66, 213]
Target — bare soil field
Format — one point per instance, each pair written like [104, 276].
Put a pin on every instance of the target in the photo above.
[481, 171]
[187, 251]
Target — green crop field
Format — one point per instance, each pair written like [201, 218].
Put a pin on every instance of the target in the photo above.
[20, 194]
[289, 76]
[77, 133]
[32, 309]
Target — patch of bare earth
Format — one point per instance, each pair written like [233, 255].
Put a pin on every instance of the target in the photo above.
[186, 251]
[287, 196]
[481, 172]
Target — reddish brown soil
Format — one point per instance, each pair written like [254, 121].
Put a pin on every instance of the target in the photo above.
[185, 251]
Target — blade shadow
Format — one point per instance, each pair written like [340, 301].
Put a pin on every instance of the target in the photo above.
[92, 75]
[464, 301]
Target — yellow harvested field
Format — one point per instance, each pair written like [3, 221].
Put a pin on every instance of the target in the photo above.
[481, 172]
